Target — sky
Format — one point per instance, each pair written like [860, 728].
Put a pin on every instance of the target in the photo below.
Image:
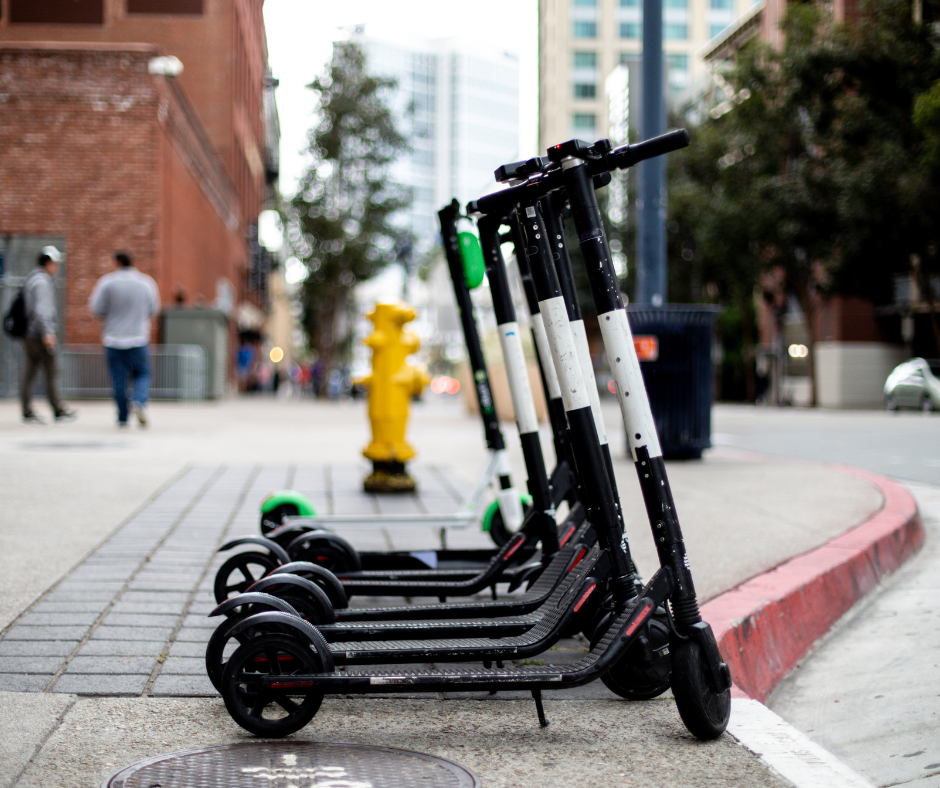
[300, 33]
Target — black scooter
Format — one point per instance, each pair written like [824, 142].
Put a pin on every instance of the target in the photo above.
[274, 683]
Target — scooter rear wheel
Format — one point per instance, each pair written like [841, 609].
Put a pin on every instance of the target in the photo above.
[240, 571]
[270, 713]
[704, 711]
[634, 677]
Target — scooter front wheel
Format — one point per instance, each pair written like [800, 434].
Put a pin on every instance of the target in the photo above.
[271, 713]
[704, 711]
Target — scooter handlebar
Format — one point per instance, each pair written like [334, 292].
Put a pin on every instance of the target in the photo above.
[620, 158]
[628, 155]
[504, 200]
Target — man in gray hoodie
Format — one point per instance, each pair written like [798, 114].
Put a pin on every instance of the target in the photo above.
[39, 343]
[126, 299]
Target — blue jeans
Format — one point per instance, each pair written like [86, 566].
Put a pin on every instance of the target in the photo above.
[133, 362]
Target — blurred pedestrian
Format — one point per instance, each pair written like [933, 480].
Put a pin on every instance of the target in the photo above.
[126, 299]
[39, 342]
[243, 363]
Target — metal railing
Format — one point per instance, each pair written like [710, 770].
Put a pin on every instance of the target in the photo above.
[177, 372]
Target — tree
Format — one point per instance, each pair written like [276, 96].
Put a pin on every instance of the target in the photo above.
[820, 175]
[715, 232]
[341, 223]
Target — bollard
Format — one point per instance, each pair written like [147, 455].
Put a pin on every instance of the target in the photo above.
[391, 385]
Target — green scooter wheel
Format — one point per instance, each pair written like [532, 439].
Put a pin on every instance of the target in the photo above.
[494, 523]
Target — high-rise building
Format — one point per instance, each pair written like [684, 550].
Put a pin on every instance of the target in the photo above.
[457, 103]
[582, 41]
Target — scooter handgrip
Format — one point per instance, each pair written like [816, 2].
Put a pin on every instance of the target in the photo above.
[629, 155]
[493, 203]
[503, 201]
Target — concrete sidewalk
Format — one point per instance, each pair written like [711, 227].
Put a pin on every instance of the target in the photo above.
[113, 521]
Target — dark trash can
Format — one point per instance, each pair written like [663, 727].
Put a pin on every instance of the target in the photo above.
[674, 343]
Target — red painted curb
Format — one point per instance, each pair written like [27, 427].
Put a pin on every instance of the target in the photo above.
[765, 625]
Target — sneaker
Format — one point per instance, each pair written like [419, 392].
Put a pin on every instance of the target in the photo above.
[123, 425]
[66, 415]
[141, 412]
[32, 418]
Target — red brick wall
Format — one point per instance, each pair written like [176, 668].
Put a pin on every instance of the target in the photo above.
[209, 45]
[849, 319]
[198, 249]
[99, 151]
[80, 148]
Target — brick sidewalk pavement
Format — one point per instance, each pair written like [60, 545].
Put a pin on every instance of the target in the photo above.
[132, 619]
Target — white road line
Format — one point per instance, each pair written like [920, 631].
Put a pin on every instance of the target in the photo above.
[786, 750]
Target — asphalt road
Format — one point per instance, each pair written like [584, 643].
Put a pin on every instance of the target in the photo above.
[903, 445]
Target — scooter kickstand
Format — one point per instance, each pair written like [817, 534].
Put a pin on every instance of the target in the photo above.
[537, 697]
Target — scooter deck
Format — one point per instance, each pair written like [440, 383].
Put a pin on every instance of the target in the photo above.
[430, 646]
[521, 604]
[470, 642]
[525, 555]
[611, 647]
[346, 635]
[354, 584]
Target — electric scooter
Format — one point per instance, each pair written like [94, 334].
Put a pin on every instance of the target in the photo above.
[289, 674]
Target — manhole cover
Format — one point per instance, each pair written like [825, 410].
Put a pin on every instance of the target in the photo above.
[289, 764]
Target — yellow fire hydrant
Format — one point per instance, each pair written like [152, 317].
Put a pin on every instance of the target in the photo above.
[391, 385]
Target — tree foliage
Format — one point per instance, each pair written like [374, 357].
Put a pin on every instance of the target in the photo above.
[816, 165]
[342, 223]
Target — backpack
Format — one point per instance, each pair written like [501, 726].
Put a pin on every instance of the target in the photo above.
[15, 321]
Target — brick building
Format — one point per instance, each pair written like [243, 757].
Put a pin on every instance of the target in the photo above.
[102, 147]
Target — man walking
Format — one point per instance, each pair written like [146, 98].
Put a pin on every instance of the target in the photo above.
[126, 299]
[39, 342]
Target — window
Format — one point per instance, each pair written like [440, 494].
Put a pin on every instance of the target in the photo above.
[673, 31]
[585, 59]
[715, 30]
[684, 4]
[57, 12]
[722, 5]
[631, 30]
[629, 3]
[678, 62]
[585, 29]
[164, 6]
[584, 122]
[585, 3]
[583, 90]
[678, 71]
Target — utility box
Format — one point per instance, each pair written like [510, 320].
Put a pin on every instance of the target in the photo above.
[207, 328]
[674, 345]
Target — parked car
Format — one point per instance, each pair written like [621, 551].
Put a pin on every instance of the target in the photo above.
[914, 384]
